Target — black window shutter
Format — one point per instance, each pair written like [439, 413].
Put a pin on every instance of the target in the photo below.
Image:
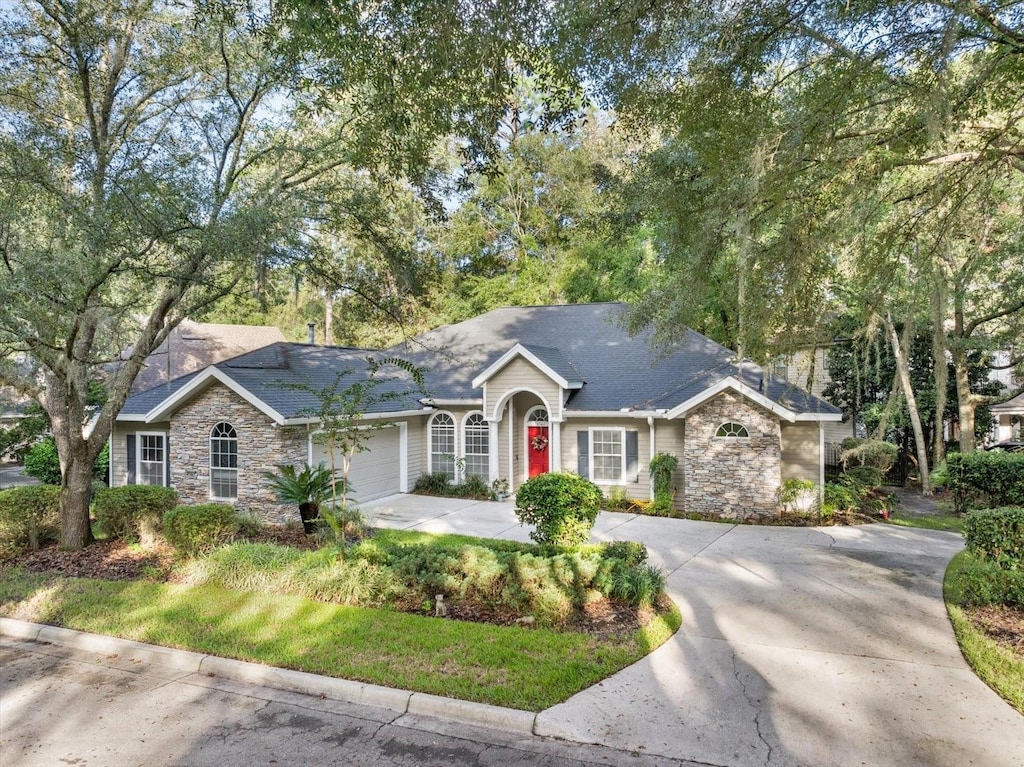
[632, 456]
[130, 441]
[167, 460]
[583, 448]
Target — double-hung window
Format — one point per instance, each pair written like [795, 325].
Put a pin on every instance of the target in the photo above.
[442, 445]
[476, 441]
[608, 455]
[152, 459]
[224, 462]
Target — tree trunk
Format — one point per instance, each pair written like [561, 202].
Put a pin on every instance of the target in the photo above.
[75, 495]
[940, 368]
[903, 369]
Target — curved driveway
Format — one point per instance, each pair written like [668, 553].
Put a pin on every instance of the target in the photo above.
[799, 646]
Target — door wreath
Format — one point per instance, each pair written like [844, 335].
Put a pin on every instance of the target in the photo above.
[539, 442]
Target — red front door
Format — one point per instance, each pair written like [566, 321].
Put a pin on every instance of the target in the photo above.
[537, 448]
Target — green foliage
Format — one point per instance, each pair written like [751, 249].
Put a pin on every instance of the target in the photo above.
[863, 478]
[869, 452]
[26, 431]
[310, 485]
[561, 507]
[992, 478]
[661, 467]
[977, 581]
[321, 575]
[640, 585]
[43, 463]
[132, 512]
[29, 517]
[193, 529]
[439, 484]
[796, 495]
[997, 536]
[631, 552]
[839, 499]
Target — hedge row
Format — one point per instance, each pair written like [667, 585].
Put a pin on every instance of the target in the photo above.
[997, 536]
[29, 517]
[987, 479]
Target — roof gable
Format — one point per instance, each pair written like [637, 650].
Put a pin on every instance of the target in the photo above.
[550, 362]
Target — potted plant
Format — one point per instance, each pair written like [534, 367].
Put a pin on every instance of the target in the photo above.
[308, 488]
[499, 488]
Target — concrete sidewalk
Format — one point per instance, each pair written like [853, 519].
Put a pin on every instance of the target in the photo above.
[799, 646]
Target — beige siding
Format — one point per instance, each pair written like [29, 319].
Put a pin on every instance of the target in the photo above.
[520, 375]
[119, 447]
[417, 440]
[669, 438]
[570, 453]
[800, 451]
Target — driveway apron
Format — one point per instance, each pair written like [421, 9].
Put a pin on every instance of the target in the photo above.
[799, 646]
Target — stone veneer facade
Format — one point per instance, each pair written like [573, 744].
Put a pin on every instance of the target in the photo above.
[260, 448]
[732, 478]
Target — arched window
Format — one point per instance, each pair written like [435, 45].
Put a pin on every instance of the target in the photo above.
[732, 430]
[476, 441]
[223, 462]
[538, 415]
[442, 445]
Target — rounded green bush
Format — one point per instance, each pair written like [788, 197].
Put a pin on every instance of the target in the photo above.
[997, 535]
[561, 507]
[201, 527]
[133, 511]
[29, 517]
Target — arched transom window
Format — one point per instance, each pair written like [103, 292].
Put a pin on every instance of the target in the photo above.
[476, 441]
[732, 430]
[223, 462]
[442, 445]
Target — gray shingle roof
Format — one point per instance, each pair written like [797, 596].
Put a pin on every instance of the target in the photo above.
[581, 342]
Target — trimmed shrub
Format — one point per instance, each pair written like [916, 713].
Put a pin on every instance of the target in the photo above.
[433, 484]
[561, 507]
[132, 512]
[992, 478]
[29, 517]
[201, 527]
[868, 452]
[863, 478]
[997, 536]
[974, 582]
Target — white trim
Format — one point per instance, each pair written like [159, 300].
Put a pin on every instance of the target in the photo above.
[638, 414]
[387, 416]
[137, 417]
[821, 465]
[455, 442]
[209, 462]
[650, 477]
[555, 453]
[210, 375]
[521, 351]
[739, 387]
[507, 397]
[511, 446]
[492, 444]
[439, 402]
[462, 430]
[403, 456]
[138, 455]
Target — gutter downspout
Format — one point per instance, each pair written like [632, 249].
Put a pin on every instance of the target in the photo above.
[650, 479]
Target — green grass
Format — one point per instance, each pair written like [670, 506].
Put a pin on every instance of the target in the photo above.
[525, 668]
[949, 522]
[995, 665]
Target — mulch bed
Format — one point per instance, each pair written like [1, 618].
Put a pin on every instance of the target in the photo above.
[1003, 624]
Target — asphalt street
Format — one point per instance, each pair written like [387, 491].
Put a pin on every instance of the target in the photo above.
[63, 706]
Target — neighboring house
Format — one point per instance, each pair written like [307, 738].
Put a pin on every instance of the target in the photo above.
[1009, 417]
[807, 369]
[513, 393]
[192, 346]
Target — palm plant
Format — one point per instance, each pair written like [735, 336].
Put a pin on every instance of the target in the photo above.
[308, 488]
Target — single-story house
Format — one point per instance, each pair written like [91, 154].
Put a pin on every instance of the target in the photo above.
[1009, 418]
[508, 395]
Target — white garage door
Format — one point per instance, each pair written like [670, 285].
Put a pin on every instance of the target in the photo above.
[375, 472]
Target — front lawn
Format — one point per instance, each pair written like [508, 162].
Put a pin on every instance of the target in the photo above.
[545, 622]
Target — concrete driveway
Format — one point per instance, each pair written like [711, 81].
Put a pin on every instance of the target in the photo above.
[799, 646]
